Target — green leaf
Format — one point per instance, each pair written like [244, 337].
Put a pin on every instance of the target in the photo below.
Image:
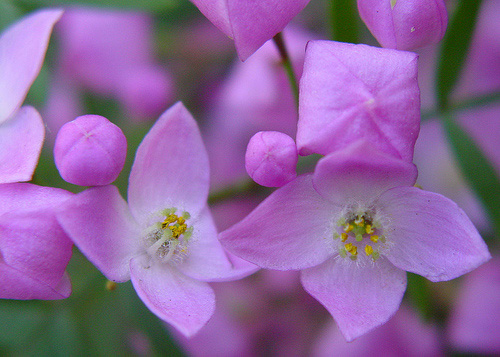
[476, 168]
[454, 48]
[144, 5]
[344, 20]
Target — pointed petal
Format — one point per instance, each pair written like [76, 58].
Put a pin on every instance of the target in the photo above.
[21, 139]
[22, 50]
[185, 303]
[206, 259]
[431, 235]
[360, 174]
[359, 298]
[255, 22]
[98, 220]
[289, 230]
[34, 253]
[341, 101]
[170, 167]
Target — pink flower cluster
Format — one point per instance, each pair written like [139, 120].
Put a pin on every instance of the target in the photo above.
[349, 229]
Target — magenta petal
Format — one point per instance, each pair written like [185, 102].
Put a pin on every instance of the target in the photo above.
[360, 174]
[185, 303]
[341, 101]
[250, 23]
[289, 230]
[98, 220]
[359, 298]
[206, 259]
[22, 50]
[26, 197]
[431, 235]
[170, 167]
[34, 253]
[21, 139]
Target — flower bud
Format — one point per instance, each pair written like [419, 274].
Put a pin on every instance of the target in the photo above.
[271, 158]
[404, 24]
[90, 151]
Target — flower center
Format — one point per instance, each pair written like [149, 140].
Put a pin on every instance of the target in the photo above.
[359, 234]
[168, 238]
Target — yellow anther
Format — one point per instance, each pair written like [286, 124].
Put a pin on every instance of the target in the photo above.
[348, 228]
[351, 248]
[368, 249]
[374, 238]
[369, 229]
[343, 237]
[181, 220]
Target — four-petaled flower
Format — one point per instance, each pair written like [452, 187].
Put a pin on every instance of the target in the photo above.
[164, 239]
[354, 227]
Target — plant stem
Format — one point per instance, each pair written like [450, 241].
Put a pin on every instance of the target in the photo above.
[287, 64]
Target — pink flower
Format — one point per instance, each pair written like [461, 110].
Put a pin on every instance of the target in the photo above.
[34, 251]
[405, 24]
[354, 227]
[164, 239]
[22, 50]
[350, 92]
[250, 23]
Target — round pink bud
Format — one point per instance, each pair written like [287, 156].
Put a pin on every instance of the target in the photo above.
[90, 151]
[271, 158]
[405, 24]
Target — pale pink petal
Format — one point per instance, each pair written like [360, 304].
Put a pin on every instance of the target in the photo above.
[430, 235]
[22, 50]
[206, 259]
[359, 298]
[360, 173]
[99, 221]
[185, 303]
[291, 229]
[341, 101]
[170, 168]
[26, 197]
[34, 251]
[21, 139]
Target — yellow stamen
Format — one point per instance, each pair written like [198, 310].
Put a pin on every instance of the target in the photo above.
[348, 228]
[374, 238]
[343, 237]
[351, 248]
[359, 221]
[368, 249]
[369, 229]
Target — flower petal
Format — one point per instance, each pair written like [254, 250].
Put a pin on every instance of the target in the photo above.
[360, 174]
[34, 253]
[289, 230]
[431, 235]
[170, 167]
[98, 220]
[21, 139]
[22, 50]
[185, 303]
[359, 298]
[341, 101]
[206, 259]
[26, 197]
